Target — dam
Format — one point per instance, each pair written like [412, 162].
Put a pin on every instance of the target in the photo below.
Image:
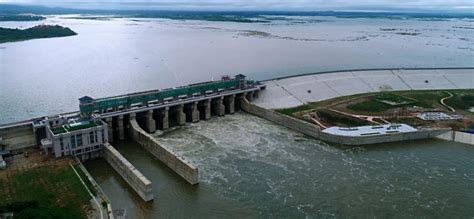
[100, 122]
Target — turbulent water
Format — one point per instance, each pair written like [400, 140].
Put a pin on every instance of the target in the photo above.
[253, 168]
[114, 56]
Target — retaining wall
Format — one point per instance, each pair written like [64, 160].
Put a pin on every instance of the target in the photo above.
[165, 155]
[129, 173]
[17, 138]
[456, 136]
[100, 192]
[302, 89]
[315, 132]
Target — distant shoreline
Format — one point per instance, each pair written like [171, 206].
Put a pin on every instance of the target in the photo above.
[37, 32]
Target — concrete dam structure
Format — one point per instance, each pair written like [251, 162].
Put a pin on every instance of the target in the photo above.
[301, 89]
[91, 131]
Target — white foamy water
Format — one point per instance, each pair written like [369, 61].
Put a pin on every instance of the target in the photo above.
[279, 173]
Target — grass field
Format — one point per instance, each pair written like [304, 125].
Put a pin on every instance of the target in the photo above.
[463, 100]
[49, 191]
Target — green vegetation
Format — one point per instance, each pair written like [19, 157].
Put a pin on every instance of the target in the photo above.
[44, 192]
[291, 111]
[85, 179]
[460, 101]
[70, 128]
[397, 99]
[330, 117]
[371, 105]
[85, 125]
[381, 102]
[58, 130]
[41, 31]
[20, 17]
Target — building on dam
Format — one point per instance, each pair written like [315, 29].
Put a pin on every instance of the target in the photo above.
[76, 136]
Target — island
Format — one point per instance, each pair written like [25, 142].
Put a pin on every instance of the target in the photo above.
[40, 31]
[21, 17]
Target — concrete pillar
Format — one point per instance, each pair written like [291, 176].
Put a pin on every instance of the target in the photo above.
[110, 128]
[219, 107]
[232, 104]
[150, 122]
[255, 94]
[120, 128]
[194, 112]
[180, 116]
[249, 96]
[166, 120]
[207, 109]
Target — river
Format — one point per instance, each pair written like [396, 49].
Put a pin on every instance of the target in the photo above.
[250, 167]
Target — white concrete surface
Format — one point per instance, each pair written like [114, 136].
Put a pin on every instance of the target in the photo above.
[370, 130]
[293, 91]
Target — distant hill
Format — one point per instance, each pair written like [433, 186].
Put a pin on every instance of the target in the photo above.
[40, 31]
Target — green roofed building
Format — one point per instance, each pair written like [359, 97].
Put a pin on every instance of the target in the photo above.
[74, 136]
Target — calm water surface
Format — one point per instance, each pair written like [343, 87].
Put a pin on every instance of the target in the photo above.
[110, 57]
[250, 167]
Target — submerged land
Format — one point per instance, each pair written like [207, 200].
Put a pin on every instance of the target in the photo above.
[37, 32]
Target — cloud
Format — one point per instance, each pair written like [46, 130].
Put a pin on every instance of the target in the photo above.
[260, 4]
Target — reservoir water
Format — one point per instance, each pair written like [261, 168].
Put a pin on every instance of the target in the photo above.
[118, 55]
[250, 167]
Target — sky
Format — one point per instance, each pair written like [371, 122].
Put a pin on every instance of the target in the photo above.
[368, 5]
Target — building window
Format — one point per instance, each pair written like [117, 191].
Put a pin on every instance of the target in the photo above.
[91, 137]
[73, 141]
[61, 143]
[79, 140]
[95, 136]
[103, 137]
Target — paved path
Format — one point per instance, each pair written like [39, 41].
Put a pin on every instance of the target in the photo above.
[445, 98]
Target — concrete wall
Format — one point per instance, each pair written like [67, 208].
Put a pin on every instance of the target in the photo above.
[315, 132]
[165, 155]
[100, 192]
[129, 173]
[16, 138]
[456, 136]
[293, 91]
[281, 119]
[376, 139]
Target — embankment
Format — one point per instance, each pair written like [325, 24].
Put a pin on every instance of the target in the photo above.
[128, 172]
[18, 137]
[457, 136]
[301, 89]
[315, 132]
[165, 155]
